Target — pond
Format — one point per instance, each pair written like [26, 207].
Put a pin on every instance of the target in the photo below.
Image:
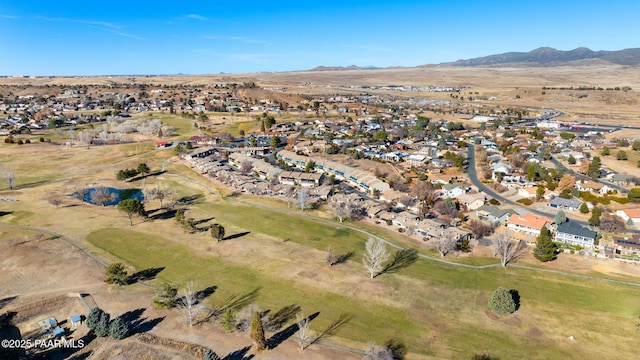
[106, 196]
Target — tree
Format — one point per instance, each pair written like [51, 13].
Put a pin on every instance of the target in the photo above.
[375, 255]
[539, 192]
[102, 196]
[594, 220]
[594, 168]
[228, 320]
[303, 336]
[571, 160]
[531, 171]
[634, 195]
[101, 328]
[635, 145]
[118, 329]
[507, 249]
[93, 317]
[621, 155]
[189, 303]
[125, 174]
[275, 141]
[210, 355]
[257, 332]
[303, 197]
[584, 208]
[612, 223]
[166, 296]
[502, 301]
[545, 249]
[217, 232]
[86, 137]
[132, 207]
[377, 352]
[566, 182]
[605, 151]
[9, 177]
[159, 193]
[561, 217]
[344, 209]
[143, 169]
[55, 201]
[116, 274]
[446, 242]
[479, 228]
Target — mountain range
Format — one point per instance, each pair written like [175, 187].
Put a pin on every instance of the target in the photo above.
[546, 56]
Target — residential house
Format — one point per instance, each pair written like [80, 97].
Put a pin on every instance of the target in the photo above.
[592, 186]
[528, 223]
[416, 160]
[472, 201]
[493, 214]
[626, 214]
[567, 204]
[621, 179]
[572, 233]
[529, 193]
[626, 245]
[500, 168]
[453, 190]
[303, 179]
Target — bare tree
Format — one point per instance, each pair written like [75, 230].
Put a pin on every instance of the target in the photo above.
[86, 137]
[55, 201]
[243, 317]
[344, 209]
[446, 242]
[375, 255]
[102, 196]
[303, 336]
[479, 228]
[407, 201]
[376, 352]
[160, 192]
[611, 223]
[331, 257]
[189, 302]
[9, 177]
[507, 249]
[245, 167]
[303, 197]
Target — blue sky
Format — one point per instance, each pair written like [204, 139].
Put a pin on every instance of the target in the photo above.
[210, 37]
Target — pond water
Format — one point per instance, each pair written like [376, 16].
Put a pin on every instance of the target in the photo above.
[110, 196]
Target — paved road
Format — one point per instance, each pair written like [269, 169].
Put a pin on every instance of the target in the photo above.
[558, 164]
[473, 176]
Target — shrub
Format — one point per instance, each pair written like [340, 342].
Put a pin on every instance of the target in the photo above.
[27, 141]
[502, 301]
[210, 355]
[526, 202]
[41, 139]
[20, 142]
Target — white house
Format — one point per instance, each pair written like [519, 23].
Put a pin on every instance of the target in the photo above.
[633, 214]
[571, 233]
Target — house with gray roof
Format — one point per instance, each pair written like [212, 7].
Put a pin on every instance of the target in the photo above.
[568, 204]
[493, 214]
[572, 233]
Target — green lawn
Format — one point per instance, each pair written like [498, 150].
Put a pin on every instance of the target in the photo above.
[433, 300]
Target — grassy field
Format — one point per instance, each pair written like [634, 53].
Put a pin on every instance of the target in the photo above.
[435, 309]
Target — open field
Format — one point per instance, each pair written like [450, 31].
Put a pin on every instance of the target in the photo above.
[436, 310]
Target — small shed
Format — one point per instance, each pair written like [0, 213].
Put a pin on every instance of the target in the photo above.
[75, 320]
[58, 331]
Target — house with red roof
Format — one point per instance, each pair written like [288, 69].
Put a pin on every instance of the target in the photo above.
[633, 214]
[528, 223]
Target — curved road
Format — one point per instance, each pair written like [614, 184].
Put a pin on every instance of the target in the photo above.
[473, 177]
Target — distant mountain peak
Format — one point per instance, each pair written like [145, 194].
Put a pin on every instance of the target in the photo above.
[548, 56]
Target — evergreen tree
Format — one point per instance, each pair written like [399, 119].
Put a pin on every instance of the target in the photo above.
[257, 332]
[210, 355]
[561, 217]
[502, 301]
[594, 220]
[545, 248]
[228, 321]
[116, 274]
[584, 208]
[166, 297]
[118, 329]
[102, 326]
[217, 232]
[93, 317]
